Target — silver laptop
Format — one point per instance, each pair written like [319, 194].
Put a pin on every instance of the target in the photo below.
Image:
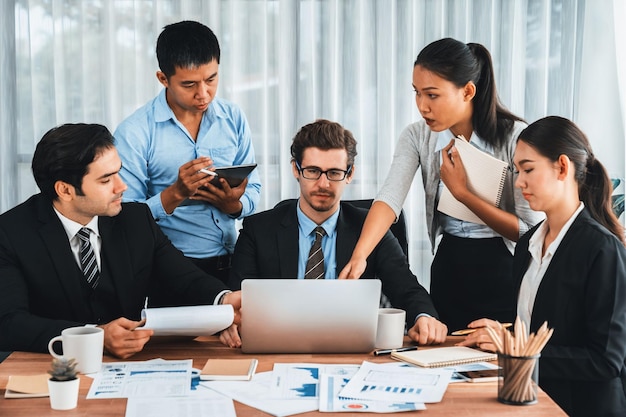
[309, 316]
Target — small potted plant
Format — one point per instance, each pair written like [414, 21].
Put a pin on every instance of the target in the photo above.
[63, 384]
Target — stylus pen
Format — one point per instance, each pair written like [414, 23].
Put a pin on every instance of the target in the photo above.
[206, 171]
[388, 351]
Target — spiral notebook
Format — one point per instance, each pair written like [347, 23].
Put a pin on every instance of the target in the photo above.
[485, 178]
[444, 356]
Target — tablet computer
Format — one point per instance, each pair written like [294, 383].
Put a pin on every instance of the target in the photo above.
[233, 174]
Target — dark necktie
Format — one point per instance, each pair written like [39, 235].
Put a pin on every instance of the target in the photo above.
[88, 258]
[315, 263]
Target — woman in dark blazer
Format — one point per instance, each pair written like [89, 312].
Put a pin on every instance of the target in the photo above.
[571, 271]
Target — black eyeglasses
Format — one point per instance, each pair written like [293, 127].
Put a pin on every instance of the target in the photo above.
[314, 173]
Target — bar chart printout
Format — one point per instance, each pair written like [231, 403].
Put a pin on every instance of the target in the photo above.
[397, 382]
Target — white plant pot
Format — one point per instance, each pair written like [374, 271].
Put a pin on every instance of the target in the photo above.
[63, 394]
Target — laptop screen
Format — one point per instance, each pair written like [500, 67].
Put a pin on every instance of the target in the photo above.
[309, 316]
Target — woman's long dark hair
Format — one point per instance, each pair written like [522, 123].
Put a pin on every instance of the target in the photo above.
[554, 136]
[460, 63]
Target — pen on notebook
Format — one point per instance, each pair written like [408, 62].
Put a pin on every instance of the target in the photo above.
[388, 351]
[468, 331]
[206, 171]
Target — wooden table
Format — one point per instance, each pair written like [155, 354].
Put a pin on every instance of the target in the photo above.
[460, 399]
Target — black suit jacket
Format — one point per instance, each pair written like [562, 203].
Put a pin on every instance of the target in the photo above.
[583, 297]
[268, 248]
[42, 287]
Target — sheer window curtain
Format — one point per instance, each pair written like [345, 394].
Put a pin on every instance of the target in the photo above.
[288, 62]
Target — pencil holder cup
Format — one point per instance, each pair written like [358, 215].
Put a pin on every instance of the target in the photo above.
[518, 380]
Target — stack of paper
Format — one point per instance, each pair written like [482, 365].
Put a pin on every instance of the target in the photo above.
[159, 388]
[293, 388]
[164, 387]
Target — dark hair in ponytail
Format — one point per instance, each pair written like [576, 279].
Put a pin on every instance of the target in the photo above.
[554, 136]
[460, 63]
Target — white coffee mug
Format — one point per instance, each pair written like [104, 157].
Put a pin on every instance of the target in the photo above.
[390, 330]
[85, 344]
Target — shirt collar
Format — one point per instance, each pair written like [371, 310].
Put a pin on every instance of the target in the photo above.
[307, 225]
[163, 112]
[71, 227]
[444, 138]
[535, 243]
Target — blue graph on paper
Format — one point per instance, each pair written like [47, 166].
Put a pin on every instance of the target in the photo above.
[302, 380]
[310, 389]
[393, 383]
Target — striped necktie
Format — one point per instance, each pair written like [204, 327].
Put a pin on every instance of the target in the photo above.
[88, 258]
[315, 263]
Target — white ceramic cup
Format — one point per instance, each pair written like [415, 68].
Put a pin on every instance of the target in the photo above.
[390, 330]
[85, 344]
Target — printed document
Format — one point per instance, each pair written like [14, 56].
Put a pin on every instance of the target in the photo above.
[384, 382]
[301, 380]
[256, 393]
[331, 385]
[142, 379]
[207, 405]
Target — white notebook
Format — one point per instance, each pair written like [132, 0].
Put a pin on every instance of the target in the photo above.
[444, 356]
[485, 178]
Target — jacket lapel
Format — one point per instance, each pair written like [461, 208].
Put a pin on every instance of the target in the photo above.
[557, 271]
[115, 260]
[68, 273]
[346, 239]
[287, 241]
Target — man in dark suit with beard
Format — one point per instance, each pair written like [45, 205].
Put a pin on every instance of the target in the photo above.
[43, 288]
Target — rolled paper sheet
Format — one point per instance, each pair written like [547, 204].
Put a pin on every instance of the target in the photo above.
[189, 320]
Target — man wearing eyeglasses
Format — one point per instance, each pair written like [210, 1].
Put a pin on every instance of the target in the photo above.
[281, 242]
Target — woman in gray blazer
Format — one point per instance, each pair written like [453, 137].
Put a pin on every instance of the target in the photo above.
[455, 92]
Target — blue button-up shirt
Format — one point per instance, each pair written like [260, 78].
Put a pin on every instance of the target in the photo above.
[153, 145]
[329, 243]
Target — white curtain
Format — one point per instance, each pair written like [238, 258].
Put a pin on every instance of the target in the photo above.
[288, 62]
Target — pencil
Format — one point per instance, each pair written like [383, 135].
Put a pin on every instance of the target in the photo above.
[206, 171]
[469, 331]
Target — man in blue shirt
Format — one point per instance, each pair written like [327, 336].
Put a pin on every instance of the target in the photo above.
[165, 143]
[279, 243]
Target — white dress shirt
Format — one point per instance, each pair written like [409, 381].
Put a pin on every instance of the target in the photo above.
[538, 266]
[72, 228]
